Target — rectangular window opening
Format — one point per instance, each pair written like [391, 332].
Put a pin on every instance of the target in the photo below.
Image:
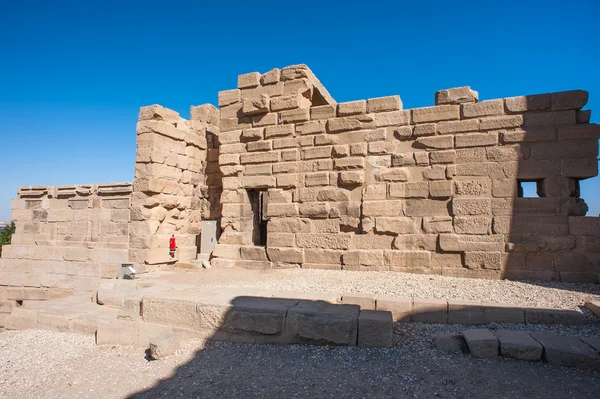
[259, 202]
[530, 188]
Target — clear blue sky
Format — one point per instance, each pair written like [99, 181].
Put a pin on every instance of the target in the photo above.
[74, 74]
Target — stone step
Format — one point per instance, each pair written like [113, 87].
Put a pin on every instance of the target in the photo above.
[257, 316]
[523, 345]
[69, 314]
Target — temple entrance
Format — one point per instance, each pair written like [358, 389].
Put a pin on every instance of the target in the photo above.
[258, 202]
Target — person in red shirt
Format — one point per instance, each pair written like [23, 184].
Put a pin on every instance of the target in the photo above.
[172, 245]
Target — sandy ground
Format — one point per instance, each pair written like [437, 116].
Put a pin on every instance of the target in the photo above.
[526, 293]
[42, 364]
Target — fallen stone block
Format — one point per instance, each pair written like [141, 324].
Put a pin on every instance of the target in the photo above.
[401, 308]
[365, 301]
[166, 345]
[567, 351]
[481, 342]
[553, 316]
[429, 311]
[519, 345]
[322, 323]
[453, 342]
[375, 329]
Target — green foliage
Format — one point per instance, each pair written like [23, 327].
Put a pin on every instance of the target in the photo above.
[5, 235]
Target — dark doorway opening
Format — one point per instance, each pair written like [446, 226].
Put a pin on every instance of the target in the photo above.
[258, 201]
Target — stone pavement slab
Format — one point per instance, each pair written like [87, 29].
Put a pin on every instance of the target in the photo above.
[375, 329]
[567, 351]
[519, 345]
[322, 323]
[481, 342]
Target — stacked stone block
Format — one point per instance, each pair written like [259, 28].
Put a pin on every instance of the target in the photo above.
[170, 192]
[361, 185]
[67, 238]
[366, 185]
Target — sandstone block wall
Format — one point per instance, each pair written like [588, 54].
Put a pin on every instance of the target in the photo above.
[367, 185]
[170, 191]
[361, 185]
[67, 238]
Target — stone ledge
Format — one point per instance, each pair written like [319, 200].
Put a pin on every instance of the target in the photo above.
[522, 345]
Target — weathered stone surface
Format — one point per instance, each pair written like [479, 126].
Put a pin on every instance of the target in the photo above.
[324, 241]
[519, 345]
[352, 108]
[166, 345]
[567, 351]
[471, 206]
[248, 80]
[429, 311]
[318, 322]
[553, 316]
[256, 105]
[439, 224]
[456, 95]
[436, 114]
[365, 301]
[481, 342]
[286, 255]
[482, 109]
[395, 225]
[465, 312]
[375, 329]
[384, 104]
[437, 142]
[401, 308]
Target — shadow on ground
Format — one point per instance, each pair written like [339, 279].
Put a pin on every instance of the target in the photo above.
[412, 368]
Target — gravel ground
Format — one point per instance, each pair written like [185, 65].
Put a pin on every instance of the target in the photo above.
[526, 293]
[43, 364]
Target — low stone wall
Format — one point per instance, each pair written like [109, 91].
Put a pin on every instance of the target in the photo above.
[523, 345]
[67, 238]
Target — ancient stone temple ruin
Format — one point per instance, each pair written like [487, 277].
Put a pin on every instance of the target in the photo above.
[295, 180]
